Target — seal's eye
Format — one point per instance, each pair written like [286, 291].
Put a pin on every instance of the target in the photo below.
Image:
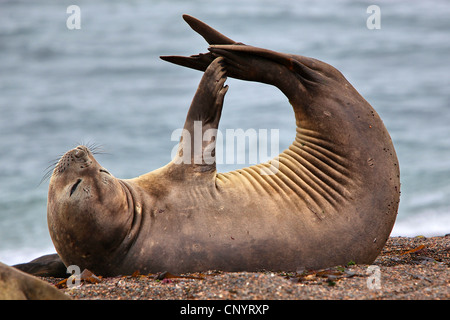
[74, 187]
[103, 170]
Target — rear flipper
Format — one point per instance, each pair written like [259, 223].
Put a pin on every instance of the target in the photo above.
[251, 63]
[202, 60]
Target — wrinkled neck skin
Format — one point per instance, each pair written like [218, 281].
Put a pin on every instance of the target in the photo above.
[93, 217]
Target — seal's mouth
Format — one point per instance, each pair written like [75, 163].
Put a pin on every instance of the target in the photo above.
[75, 186]
[105, 171]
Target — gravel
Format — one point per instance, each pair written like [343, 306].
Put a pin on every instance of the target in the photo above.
[407, 269]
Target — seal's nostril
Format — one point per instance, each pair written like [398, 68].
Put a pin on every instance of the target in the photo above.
[79, 153]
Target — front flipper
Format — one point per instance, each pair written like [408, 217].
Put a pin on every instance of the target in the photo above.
[196, 150]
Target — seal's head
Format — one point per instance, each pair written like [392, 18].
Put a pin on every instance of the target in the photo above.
[87, 209]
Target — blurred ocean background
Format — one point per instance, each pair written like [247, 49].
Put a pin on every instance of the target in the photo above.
[105, 84]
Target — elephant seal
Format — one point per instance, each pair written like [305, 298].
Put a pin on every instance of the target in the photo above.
[330, 198]
[17, 285]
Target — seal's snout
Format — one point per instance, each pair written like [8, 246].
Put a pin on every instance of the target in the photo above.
[81, 155]
[75, 159]
[80, 152]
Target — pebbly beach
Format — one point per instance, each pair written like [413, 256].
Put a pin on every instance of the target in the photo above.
[408, 268]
